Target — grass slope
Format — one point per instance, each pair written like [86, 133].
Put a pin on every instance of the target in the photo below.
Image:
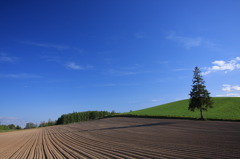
[225, 108]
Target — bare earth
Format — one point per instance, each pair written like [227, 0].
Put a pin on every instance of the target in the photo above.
[126, 138]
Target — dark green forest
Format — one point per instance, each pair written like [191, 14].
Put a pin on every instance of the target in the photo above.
[81, 116]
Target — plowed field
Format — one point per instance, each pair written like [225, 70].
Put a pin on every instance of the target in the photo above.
[126, 138]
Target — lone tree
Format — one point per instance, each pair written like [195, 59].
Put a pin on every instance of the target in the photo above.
[199, 95]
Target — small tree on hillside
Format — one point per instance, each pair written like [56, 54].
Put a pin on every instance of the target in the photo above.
[199, 95]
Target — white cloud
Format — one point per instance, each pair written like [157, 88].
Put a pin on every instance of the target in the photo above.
[229, 88]
[229, 95]
[223, 66]
[237, 88]
[5, 58]
[226, 88]
[232, 91]
[220, 63]
[187, 42]
[19, 76]
[74, 66]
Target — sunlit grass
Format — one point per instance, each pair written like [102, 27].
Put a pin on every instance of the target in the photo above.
[225, 108]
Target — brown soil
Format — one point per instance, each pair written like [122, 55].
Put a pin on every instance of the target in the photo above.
[126, 138]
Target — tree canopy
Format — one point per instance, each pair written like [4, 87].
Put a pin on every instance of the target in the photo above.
[199, 96]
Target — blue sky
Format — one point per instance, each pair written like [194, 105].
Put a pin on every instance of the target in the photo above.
[57, 57]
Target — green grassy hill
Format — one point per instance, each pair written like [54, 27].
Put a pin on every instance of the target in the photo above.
[225, 108]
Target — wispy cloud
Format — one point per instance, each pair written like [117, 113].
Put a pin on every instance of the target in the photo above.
[163, 62]
[125, 71]
[52, 58]
[116, 85]
[12, 120]
[105, 85]
[192, 42]
[156, 100]
[46, 45]
[19, 76]
[225, 66]
[181, 69]
[121, 73]
[74, 66]
[6, 58]
[133, 67]
[187, 42]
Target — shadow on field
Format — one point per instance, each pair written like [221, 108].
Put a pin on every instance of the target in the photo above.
[131, 126]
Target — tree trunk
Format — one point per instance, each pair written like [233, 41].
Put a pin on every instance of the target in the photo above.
[201, 114]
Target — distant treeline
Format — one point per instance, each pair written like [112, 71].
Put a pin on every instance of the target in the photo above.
[49, 123]
[9, 127]
[72, 118]
[64, 119]
[82, 116]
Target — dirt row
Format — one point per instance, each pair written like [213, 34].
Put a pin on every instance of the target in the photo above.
[126, 138]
